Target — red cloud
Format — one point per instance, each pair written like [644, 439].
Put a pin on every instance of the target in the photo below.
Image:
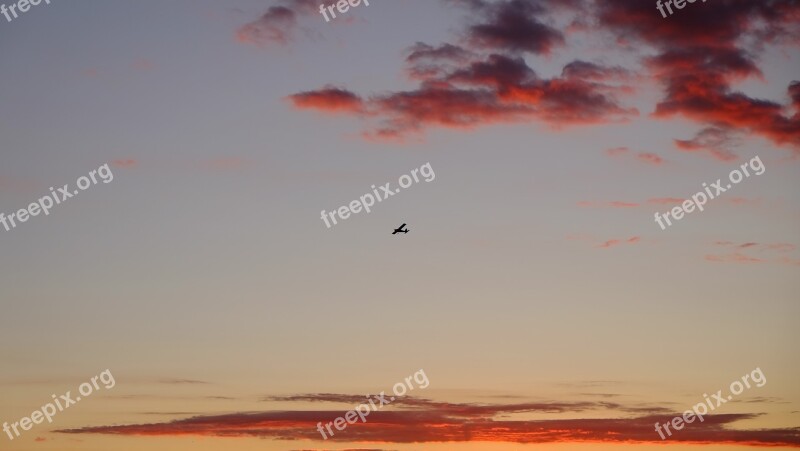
[426, 421]
[329, 99]
[702, 53]
[698, 58]
[498, 89]
[465, 87]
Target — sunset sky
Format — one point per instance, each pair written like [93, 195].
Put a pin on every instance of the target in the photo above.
[546, 306]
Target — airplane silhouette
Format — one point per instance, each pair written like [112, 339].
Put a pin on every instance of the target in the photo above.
[400, 229]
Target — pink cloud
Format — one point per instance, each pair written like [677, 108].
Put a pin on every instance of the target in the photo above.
[616, 242]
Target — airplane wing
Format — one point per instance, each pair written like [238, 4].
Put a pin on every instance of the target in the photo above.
[401, 227]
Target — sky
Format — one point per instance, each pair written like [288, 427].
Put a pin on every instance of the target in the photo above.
[535, 289]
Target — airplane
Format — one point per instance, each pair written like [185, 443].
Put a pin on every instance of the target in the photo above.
[400, 229]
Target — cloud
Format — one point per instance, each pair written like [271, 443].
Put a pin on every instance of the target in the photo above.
[715, 141]
[615, 242]
[486, 80]
[585, 70]
[515, 26]
[702, 53]
[424, 52]
[426, 421]
[274, 26]
[496, 89]
[278, 24]
[762, 400]
[769, 247]
[329, 99]
[735, 257]
[426, 62]
[470, 409]
[617, 151]
[737, 254]
[650, 158]
[782, 247]
[790, 261]
[642, 157]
